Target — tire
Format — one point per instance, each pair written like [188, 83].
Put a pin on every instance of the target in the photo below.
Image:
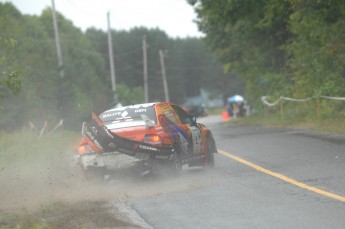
[209, 159]
[177, 164]
[94, 173]
[143, 169]
[174, 166]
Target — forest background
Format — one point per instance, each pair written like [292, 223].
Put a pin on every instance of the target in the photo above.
[29, 69]
[281, 48]
[288, 48]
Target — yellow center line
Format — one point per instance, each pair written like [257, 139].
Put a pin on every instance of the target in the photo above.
[282, 177]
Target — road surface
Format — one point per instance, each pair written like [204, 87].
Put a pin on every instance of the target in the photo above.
[264, 178]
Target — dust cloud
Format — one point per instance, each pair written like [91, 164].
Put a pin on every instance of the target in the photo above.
[47, 179]
[51, 185]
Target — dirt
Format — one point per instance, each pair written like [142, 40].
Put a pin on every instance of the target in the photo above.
[41, 195]
[48, 190]
[82, 214]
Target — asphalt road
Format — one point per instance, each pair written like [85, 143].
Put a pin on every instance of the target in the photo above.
[264, 178]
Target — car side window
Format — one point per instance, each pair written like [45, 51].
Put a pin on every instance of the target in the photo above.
[184, 118]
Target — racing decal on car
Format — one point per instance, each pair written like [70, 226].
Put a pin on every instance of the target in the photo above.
[166, 108]
[127, 113]
[148, 147]
[141, 110]
[93, 139]
[169, 127]
[196, 138]
[124, 114]
[176, 133]
[107, 141]
[183, 141]
[110, 114]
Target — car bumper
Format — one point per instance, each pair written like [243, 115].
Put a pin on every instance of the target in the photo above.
[108, 160]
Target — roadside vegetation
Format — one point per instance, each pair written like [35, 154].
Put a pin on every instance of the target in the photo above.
[295, 118]
[42, 188]
[290, 48]
[29, 69]
[81, 215]
[336, 126]
[28, 168]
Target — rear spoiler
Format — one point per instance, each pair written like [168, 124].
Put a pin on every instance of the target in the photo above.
[106, 141]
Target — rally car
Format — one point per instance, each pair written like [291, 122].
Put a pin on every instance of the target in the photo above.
[151, 134]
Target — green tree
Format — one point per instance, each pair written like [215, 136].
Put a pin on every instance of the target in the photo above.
[129, 96]
[44, 95]
[9, 79]
[317, 49]
[86, 86]
[247, 37]
[9, 75]
[189, 65]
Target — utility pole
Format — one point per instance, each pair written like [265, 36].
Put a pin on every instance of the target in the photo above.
[165, 84]
[111, 60]
[57, 43]
[146, 90]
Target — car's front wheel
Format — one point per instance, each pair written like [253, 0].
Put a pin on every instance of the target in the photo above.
[210, 149]
[177, 164]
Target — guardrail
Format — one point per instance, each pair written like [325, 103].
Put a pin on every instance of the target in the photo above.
[282, 98]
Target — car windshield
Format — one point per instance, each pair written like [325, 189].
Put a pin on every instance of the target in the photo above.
[128, 116]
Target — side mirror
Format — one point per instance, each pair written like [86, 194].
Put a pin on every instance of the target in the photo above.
[193, 119]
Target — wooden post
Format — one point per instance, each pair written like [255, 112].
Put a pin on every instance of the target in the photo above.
[111, 60]
[281, 109]
[146, 88]
[318, 108]
[57, 42]
[265, 107]
[165, 83]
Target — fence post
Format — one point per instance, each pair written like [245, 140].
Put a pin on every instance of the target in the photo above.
[318, 108]
[281, 109]
[265, 109]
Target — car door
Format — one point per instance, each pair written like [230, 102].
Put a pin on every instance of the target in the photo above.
[192, 130]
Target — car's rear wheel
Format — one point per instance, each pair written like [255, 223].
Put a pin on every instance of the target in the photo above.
[92, 173]
[175, 165]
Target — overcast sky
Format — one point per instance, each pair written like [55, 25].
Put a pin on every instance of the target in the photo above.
[175, 17]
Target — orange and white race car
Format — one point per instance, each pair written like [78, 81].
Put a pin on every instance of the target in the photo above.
[153, 134]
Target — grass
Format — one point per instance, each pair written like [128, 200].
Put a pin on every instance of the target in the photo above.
[41, 187]
[27, 166]
[81, 215]
[25, 222]
[335, 125]
[25, 149]
[26, 144]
